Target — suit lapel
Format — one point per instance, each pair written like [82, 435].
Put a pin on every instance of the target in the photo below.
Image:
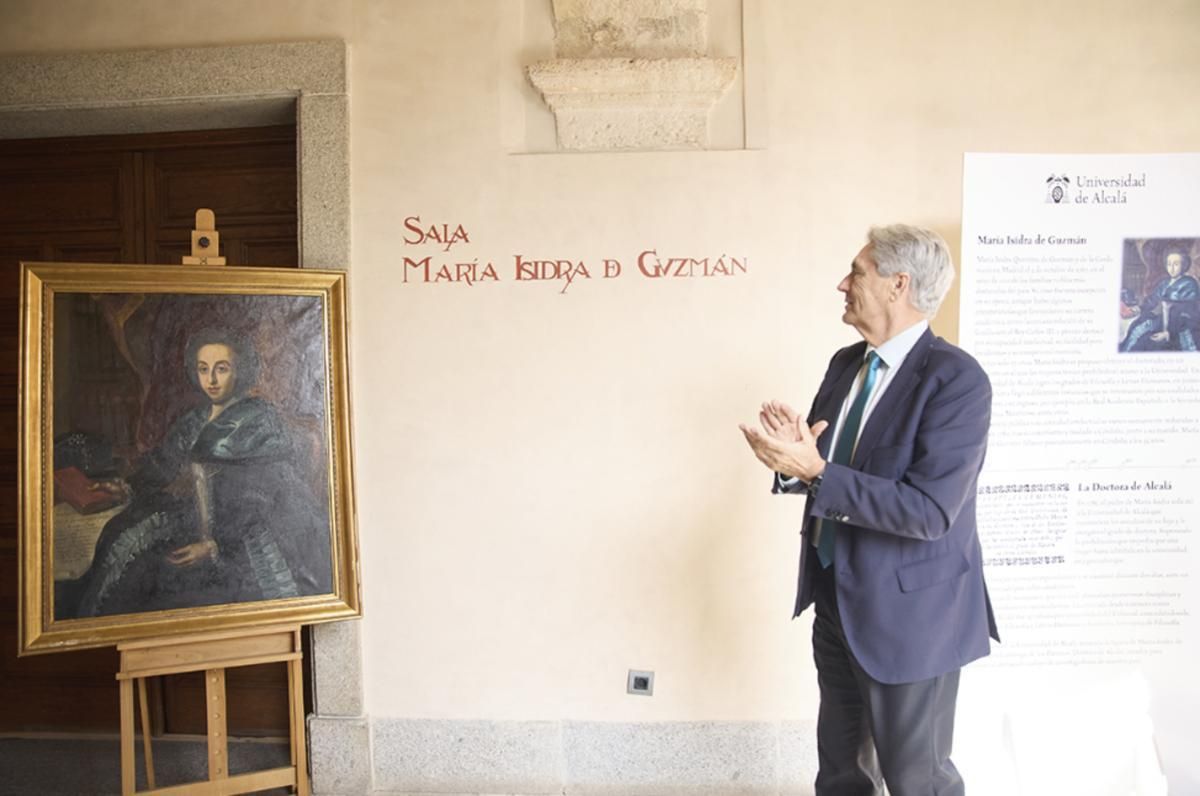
[897, 392]
[832, 406]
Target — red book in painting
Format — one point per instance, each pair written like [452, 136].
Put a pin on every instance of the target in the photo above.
[71, 485]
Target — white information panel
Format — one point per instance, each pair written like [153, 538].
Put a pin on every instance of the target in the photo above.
[1081, 299]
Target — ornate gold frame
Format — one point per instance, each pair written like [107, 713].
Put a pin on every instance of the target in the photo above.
[39, 631]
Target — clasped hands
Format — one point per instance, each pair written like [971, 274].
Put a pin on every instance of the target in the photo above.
[786, 444]
[193, 553]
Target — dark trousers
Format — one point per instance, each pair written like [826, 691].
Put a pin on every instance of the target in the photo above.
[869, 732]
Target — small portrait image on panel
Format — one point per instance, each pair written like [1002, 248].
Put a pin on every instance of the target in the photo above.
[1160, 295]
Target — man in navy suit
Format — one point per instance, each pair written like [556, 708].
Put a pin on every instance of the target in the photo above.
[888, 460]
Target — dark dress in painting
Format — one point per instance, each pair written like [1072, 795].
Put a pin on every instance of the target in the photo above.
[1182, 299]
[231, 480]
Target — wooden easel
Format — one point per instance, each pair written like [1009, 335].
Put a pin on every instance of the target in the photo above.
[206, 241]
[212, 653]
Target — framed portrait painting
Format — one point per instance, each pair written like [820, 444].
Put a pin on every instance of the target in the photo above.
[185, 452]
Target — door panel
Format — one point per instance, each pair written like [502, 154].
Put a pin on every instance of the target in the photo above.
[113, 199]
[43, 194]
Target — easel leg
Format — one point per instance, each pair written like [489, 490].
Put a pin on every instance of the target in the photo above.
[128, 772]
[147, 752]
[218, 742]
[296, 704]
[213, 653]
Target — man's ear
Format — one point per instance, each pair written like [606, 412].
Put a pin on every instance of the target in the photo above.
[900, 283]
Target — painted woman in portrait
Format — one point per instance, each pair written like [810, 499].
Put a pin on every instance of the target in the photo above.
[1168, 318]
[217, 512]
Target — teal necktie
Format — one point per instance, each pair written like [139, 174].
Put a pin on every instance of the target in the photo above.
[843, 451]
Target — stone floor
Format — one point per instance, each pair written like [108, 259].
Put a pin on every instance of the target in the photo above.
[57, 765]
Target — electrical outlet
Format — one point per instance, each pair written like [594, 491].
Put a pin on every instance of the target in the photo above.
[640, 683]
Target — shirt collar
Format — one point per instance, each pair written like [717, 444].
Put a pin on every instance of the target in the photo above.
[894, 350]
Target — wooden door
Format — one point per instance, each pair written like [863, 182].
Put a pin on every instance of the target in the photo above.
[128, 199]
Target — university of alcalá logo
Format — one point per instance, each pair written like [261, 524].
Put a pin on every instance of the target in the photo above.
[1056, 189]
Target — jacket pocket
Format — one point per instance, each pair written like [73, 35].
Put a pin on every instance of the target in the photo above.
[923, 574]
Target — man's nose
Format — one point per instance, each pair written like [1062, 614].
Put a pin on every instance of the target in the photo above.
[212, 378]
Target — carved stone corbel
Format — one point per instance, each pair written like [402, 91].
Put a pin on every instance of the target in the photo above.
[631, 74]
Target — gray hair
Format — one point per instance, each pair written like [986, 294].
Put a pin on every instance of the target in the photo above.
[920, 253]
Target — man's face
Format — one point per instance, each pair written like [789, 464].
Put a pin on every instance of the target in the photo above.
[1174, 265]
[216, 371]
[866, 294]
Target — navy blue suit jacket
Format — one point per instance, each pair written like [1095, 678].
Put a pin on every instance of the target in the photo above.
[909, 569]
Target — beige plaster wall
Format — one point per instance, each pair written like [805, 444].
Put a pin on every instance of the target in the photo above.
[552, 487]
